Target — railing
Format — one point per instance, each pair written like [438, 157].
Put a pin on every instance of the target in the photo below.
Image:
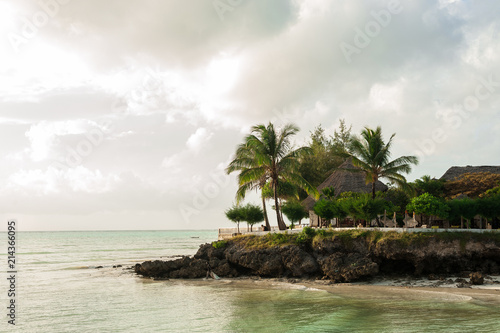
[227, 233]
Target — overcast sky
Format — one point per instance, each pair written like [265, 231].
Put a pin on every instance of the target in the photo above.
[123, 114]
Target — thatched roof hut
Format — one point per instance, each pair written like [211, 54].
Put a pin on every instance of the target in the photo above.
[454, 172]
[344, 181]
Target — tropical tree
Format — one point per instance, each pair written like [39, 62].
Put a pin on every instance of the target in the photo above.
[328, 153]
[294, 211]
[364, 207]
[468, 210]
[429, 205]
[236, 214]
[267, 154]
[341, 139]
[286, 191]
[433, 186]
[252, 214]
[246, 159]
[327, 209]
[399, 199]
[454, 211]
[318, 165]
[371, 154]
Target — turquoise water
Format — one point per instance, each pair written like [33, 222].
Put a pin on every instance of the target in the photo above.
[60, 290]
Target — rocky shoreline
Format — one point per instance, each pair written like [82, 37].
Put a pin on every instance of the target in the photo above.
[339, 260]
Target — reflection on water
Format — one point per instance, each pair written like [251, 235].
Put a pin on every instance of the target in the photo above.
[317, 311]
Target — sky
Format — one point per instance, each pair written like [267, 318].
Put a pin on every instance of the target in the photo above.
[122, 115]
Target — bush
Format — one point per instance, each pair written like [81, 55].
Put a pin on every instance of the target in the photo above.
[305, 236]
[219, 244]
[278, 238]
[309, 232]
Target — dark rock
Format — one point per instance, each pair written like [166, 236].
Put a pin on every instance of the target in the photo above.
[327, 246]
[298, 262]
[476, 278]
[264, 262]
[99, 267]
[207, 251]
[341, 259]
[465, 274]
[342, 268]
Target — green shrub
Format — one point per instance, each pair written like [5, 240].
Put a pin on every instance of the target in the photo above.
[219, 244]
[321, 232]
[302, 239]
[278, 238]
[309, 232]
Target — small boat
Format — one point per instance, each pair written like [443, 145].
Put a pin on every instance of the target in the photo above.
[195, 237]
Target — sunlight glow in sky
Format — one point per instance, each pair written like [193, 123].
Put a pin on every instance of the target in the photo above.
[123, 115]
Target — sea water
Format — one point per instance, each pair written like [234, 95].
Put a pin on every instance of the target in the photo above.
[59, 288]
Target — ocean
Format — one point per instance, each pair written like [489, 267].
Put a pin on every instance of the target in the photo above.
[60, 289]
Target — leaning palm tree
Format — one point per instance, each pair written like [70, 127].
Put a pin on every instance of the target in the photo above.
[371, 154]
[245, 159]
[267, 155]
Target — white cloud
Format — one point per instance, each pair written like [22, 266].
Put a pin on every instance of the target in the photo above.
[52, 181]
[386, 98]
[199, 139]
[45, 135]
[180, 92]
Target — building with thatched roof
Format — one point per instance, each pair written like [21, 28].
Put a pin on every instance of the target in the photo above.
[455, 171]
[341, 181]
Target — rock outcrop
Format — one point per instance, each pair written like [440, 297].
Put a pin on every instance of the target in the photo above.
[335, 259]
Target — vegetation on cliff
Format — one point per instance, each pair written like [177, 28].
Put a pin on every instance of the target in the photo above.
[346, 256]
[311, 237]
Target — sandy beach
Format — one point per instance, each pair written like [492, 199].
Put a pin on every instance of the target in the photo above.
[379, 289]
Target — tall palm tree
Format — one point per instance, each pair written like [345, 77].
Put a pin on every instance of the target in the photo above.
[267, 155]
[371, 154]
[245, 159]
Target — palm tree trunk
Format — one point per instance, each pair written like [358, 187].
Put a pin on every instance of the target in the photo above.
[281, 211]
[373, 190]
[281, 224]
[268, 226]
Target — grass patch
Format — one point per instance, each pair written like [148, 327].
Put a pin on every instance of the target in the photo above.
[219, 244]
[312, 237]
[266, 241]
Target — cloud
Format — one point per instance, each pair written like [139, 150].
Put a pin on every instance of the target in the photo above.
[199, 139]
[46, 136]
[173, 86]
[52, 181]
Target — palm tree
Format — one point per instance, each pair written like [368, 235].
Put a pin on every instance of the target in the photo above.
[245, 159]
[371, 154]
[267, 155]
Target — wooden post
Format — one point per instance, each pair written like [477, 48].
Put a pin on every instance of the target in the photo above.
[461, 222]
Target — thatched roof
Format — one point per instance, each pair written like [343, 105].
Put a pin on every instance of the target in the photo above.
[456, 171]
[346, 181]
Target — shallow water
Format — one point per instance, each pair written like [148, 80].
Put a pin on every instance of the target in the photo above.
[60, 290]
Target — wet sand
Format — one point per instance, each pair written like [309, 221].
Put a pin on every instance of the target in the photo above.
[381, 289]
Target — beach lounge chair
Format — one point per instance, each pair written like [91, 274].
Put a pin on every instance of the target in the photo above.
[389, 223]
[410, 222]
